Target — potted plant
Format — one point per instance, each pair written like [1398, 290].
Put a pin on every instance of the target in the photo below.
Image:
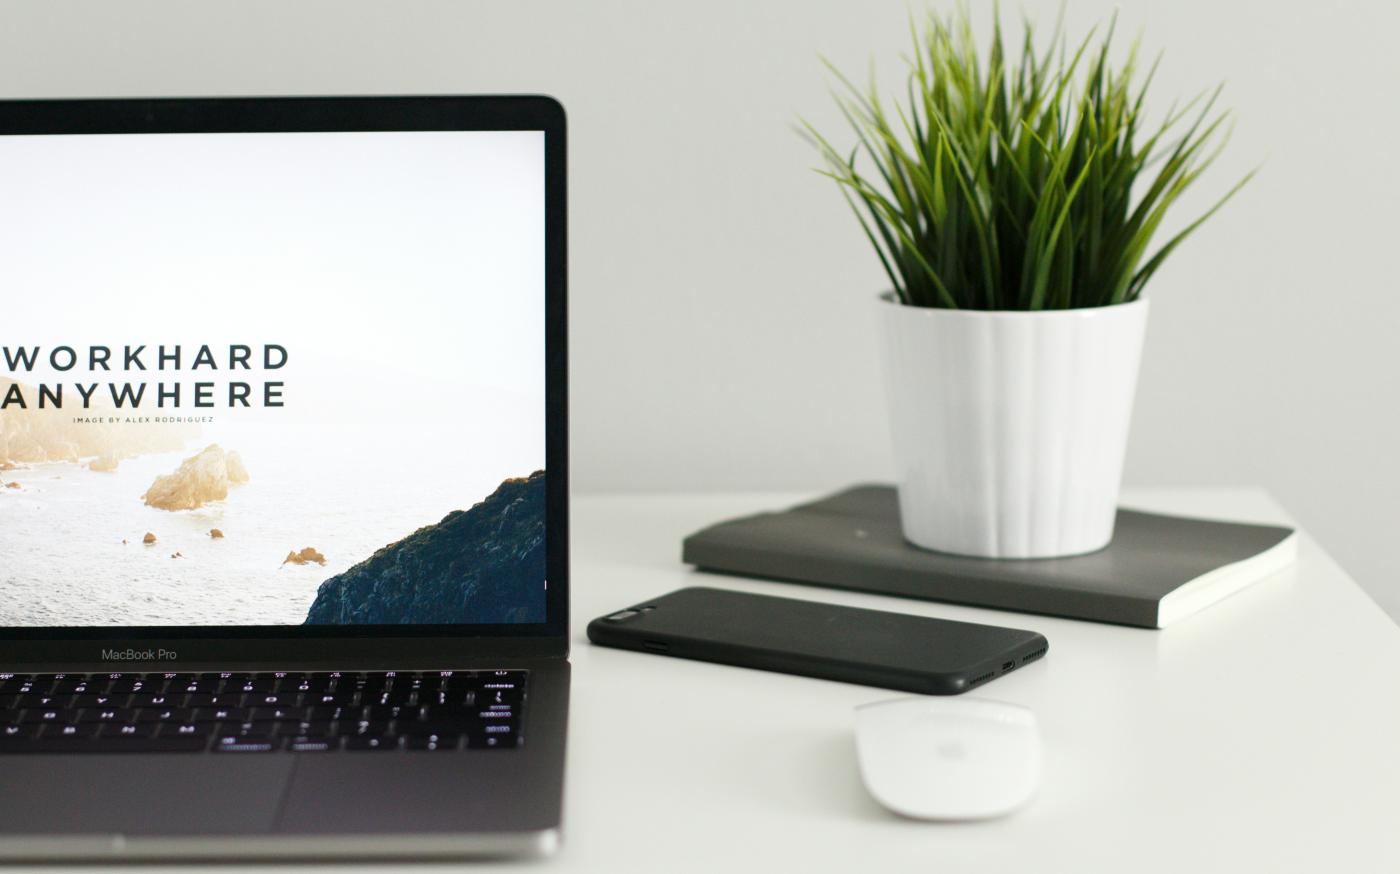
[1011, 202]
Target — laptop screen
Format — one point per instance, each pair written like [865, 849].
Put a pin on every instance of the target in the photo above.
[272, 379]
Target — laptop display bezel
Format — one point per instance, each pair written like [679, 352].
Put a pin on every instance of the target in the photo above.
[347, 645]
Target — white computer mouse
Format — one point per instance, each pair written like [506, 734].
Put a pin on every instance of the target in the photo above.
[948, 758]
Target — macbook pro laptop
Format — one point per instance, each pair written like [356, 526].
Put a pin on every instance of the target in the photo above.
[283, 488]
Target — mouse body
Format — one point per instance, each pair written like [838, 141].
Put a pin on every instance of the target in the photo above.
[948, 758]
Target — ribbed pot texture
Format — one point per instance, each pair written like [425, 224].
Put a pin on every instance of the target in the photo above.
[1010, 428]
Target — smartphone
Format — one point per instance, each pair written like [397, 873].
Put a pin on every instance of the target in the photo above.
[868, 647]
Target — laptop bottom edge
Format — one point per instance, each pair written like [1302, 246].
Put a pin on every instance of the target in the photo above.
[109, 848]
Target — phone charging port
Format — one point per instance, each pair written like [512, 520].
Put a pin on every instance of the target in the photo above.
[656, 646]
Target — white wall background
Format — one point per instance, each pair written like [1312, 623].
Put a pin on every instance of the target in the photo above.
[722, 327]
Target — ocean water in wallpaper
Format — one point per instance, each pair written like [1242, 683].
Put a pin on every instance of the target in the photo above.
[71, 537]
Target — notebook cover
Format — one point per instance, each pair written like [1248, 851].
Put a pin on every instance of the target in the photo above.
[852, 540]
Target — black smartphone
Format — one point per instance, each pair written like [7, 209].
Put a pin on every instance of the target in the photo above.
[869, 647]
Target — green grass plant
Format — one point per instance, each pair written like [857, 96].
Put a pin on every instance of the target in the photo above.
[1026, 182]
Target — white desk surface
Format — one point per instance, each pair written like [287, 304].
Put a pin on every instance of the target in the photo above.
[1262, 734]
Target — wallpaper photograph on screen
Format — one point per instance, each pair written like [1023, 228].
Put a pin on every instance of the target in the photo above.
[272, 379]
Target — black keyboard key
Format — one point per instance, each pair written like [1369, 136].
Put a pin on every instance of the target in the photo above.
[363, 728]
[221, 714]
[183, 729]
[272, 699]
[517, 682]
[251, 743]
[154, 699]
[497, 697]
[387, 713]
[414, 683]
[37, 701]
[493, 716]
[98, 701]
[493, 735]
[69, 731]
[432, 742]
[261, 728]
[306, 729]
[119, 731]
[330, 714]
[333, 698]
[401, 694]
[442, 712]
[304, 744]
[371, 743]
[278, 714]
[164, 743]
[433, 726]
[499, 679]
[106, 714]
[477, 741]
[208, 699]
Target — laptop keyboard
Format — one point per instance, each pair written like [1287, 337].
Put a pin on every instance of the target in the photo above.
[234, 712]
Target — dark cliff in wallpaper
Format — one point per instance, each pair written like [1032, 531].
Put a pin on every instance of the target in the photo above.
[483, 565]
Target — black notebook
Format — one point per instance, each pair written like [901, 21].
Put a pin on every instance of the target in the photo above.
[1157, 570]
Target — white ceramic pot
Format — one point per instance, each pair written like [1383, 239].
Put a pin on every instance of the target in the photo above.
[1010, 427]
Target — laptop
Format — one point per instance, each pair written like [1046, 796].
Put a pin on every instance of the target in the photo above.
[283, 478]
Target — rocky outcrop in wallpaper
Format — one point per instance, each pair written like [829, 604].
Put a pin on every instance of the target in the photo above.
[199, 480]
